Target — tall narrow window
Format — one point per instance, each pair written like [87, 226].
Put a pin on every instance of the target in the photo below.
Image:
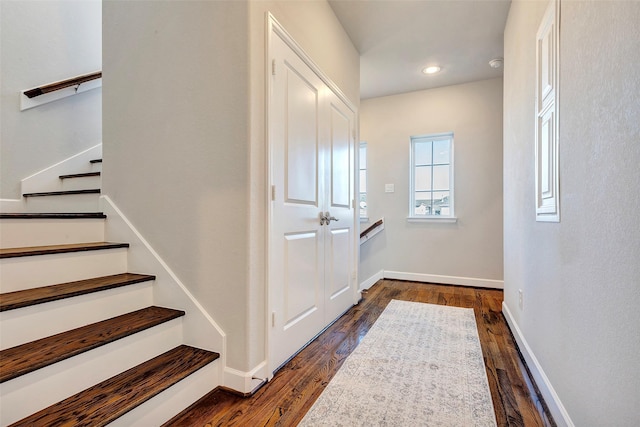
[431, 176]
[363, 181]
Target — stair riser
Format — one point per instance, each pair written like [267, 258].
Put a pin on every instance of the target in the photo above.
[33, 271]
[32, 392]
[66, 203]
[31, 323]
[42, 232]
[172, 401]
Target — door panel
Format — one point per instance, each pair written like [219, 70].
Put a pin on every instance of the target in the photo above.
[341, 131]
[301, 138]
[340, 260]
[301, 288]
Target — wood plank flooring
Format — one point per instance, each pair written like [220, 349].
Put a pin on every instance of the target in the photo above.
[294, 388]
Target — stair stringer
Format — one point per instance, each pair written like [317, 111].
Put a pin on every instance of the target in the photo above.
[199, 328]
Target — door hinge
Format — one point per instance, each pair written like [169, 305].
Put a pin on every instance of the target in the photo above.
[273, 192]
[273, 318]
[354, 134]
[273, 67]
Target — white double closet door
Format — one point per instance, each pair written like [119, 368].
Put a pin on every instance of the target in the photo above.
[311, 260]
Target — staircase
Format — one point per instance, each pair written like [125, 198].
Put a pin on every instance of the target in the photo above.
[82, 342]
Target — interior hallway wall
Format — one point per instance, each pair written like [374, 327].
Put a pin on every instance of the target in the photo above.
[581, 276]
[470, 248]
[44, 42]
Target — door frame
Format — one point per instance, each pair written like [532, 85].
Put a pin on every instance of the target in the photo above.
[274, 29]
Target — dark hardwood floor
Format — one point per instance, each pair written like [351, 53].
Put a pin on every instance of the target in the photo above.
[294, 388]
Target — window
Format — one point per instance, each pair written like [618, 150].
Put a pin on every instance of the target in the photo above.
[363, 181]
[432, 177]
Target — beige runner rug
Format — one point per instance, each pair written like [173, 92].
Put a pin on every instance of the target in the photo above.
[419, 365]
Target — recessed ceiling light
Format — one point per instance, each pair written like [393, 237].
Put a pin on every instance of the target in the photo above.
[496, 63]
[431, 70]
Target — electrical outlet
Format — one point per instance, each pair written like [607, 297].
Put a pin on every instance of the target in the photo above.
[521, 298]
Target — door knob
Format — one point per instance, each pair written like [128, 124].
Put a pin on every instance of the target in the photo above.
[326, 218]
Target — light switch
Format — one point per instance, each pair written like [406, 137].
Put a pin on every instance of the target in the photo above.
[389, 188]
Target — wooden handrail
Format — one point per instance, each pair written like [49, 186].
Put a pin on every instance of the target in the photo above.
[370, 228]
[76, 81]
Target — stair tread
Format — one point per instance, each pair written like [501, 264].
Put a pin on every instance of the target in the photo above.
[28, 357]
[95, 161]
[63, 193]
[112, 398]
[80, 175]
[59, 249]
[52, 215]
[29, 297]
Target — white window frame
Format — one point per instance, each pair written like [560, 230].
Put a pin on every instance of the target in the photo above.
[364, 218]
[413, 217]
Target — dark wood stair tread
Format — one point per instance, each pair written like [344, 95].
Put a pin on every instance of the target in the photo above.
[59, 249]
[95, 161]
[114, 397]
[52, 215]
[29, 297]
[80, 175]
[62, 193]
[28, 357]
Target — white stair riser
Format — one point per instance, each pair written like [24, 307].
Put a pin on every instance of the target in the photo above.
[83, 183]
[172, 401]
[34, 271]
[32, 392]
[17, 233]
[79, 183]
[31, 323]
[66, 203]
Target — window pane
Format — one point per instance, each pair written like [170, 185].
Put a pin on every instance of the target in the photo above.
[423, 178]
[422, 153]
[363, 157]
[441, 151]
[441, 203]
[423, 203]
[440, 177]
[363, 181]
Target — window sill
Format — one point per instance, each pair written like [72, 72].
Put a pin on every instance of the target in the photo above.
[440, 219]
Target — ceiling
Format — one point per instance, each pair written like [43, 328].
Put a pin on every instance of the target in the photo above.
[398, 38]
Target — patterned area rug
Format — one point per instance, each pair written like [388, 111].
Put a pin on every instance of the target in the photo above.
[419, 365]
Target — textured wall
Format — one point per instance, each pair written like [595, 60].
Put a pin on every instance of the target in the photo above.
[581, 277]
[472, 247]
[43, 42]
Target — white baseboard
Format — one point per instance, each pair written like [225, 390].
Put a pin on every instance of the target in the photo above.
[372, 280]
[246, 382]
[557, 409]
[446, 280]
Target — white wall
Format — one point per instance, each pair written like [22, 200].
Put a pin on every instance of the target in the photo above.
[470, 248]
[184, 141]
[43, 42]
[580, 277]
